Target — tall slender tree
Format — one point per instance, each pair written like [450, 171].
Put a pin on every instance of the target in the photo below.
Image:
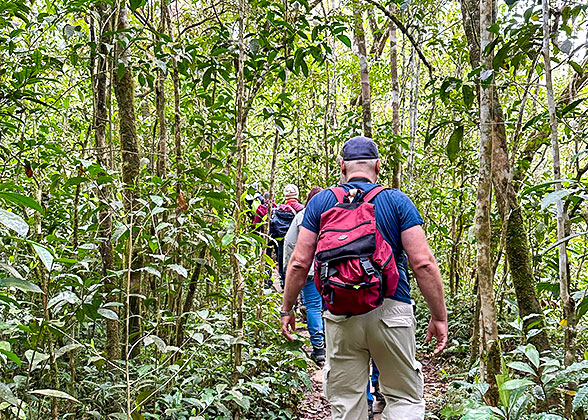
[564, 280]
[162, 159]
[99, 81]
[124, 89]
[517, 245]
[361, 52]
[489, 346]
[238, 282]
[397, 169]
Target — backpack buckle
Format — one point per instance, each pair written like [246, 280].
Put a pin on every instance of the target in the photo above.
[324, 272]
[367, 266]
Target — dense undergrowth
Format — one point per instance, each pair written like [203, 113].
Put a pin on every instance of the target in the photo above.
[54, 310]
[532, 385]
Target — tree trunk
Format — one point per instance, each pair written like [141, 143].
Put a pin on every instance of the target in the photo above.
[414, 109]
[517, 248]
[456, 233]
[162, 163]
[238, 282]
[124, 89]
[490, 353]
[475, 344]
[180, 199]
[361, 52]
[325, 125]
[177, 113]
[270, 201]
[397, 165]
[564, 281]
[189, 301]
[102, 156]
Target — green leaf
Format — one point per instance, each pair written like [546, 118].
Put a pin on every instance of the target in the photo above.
[517, 384]
[468, 96]
[21, 200]
[345, 40]
[54, 393]
[207, 77]
[269, 261]
[179, 269]
[66, 349]
[454, 143]
[35, 358]
[159, 343]
[108, 314]
[487, 76]
[7, 395]
[577, 68]
[44, 254]
[135, 4]
[75, 181]
[532, 354]
[570, 107]
[500, 56]
[20, 284]
[503, 393]
[581, 398]
[203, 313]
[304, 67]
[11, 356]
[562, 240]
[227, 239]
[433, 132]
[120, 70]
[151, 270]
[521, 366]
[566, 46]
[582, 307]
[14, 222]
[554, 196]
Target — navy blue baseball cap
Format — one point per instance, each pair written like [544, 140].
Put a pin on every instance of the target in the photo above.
[360, 148]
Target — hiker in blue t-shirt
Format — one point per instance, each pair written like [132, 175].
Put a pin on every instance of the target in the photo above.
[386, 333]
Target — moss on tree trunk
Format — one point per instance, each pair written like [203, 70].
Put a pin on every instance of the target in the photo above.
[517, 252]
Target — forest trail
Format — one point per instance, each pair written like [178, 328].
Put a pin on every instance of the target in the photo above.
[316, 407]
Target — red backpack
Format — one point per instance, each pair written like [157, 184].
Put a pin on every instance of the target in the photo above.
[354, 266]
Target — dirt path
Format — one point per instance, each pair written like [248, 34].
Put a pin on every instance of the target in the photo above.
[316, 407]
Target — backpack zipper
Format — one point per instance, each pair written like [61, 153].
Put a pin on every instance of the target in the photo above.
[367, 222]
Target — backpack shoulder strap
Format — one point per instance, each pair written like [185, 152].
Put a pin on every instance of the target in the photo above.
[373, 193]
[339, 193]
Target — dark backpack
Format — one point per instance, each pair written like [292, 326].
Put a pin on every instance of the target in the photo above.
[354, 266]
[281, 220]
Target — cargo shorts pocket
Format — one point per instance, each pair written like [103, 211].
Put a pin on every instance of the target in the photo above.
[326, 371]
[397, 321]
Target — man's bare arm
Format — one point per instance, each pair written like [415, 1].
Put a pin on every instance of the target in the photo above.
[296, 273]
[428, 277]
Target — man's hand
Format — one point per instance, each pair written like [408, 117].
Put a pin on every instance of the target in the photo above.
[288, 326]
[437, 329]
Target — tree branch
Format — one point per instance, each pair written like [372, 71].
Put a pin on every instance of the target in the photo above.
[403, 29]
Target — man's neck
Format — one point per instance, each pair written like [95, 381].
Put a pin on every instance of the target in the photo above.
[360, 177]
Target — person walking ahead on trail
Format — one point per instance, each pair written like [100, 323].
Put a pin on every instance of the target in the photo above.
[312, 298]
[368, 299]
[281, 219]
